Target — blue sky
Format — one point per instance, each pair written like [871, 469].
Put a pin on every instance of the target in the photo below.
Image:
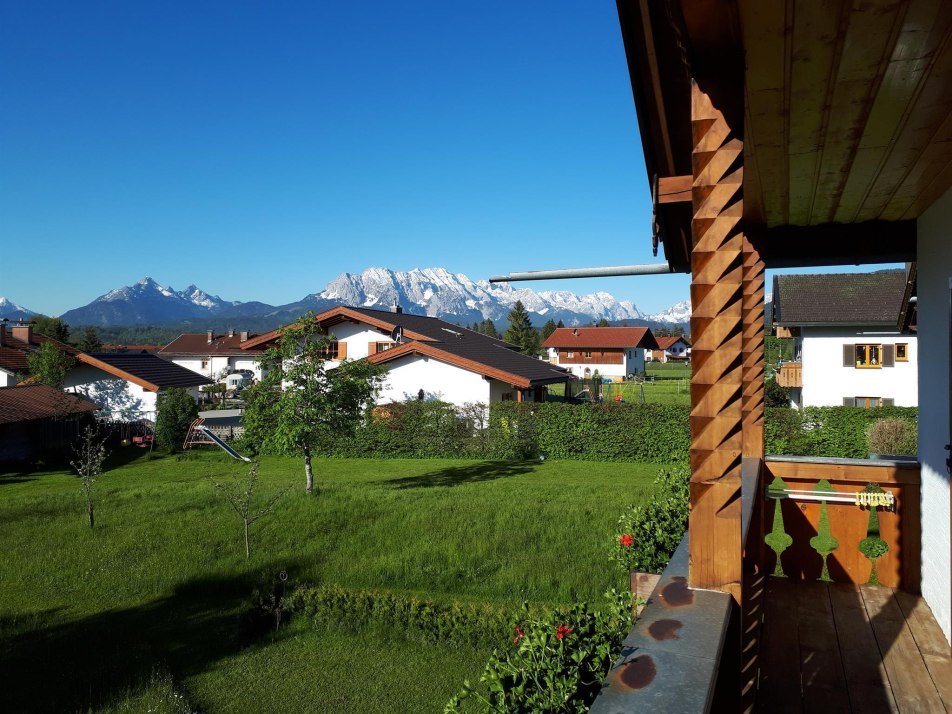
[260, 149]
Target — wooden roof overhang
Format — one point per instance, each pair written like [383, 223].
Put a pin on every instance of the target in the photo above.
[845, 111]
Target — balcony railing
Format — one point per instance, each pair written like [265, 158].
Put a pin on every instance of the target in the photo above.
[790, 375]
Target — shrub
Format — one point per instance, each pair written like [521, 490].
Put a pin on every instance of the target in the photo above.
[891, 436]
[176, 412]
[775, 395]
[556, 663]
[648, 533]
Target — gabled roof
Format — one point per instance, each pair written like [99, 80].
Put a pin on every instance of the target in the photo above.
[197, 344]
[13, 352]
[601, 337]
[149, 371]
[38, 401]
[871, 299]
[666, 342]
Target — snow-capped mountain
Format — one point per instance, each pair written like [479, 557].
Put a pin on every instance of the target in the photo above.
[12, 311]
[676, 314]
[428, 291]
[147, 303]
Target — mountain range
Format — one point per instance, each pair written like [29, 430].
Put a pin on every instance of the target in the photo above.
[429, 291]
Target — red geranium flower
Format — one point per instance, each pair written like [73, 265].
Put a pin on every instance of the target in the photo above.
[519, 635]
[626, 540]
[561, 631]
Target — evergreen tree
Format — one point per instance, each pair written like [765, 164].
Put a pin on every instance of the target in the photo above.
[89, 341]
[52, 327]
[521, 332]
[487, 327]
[176, 412]
[560, 324]
[547, 329]
[602, 323]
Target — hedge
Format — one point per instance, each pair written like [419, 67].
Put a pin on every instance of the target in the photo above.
[593, 432]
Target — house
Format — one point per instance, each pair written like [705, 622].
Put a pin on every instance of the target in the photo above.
[671, 347]
[125, 386]
[432, 358]
[777, 135]
[213, 355]
[36, 420]
[17, 342]
[614, 352]
[847, 345]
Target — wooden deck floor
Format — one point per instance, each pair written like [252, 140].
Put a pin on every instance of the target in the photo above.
[843, 648]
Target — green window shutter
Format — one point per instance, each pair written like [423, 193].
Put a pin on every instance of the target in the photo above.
[889, 355]
[849, 401]
[887, 402]
[849, 355]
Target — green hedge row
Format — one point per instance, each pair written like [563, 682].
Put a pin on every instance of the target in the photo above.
[594, 432]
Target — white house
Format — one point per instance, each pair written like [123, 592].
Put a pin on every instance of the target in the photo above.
[126, 386]
[847, 345]
[671, 348]
[615, 352]
[433, 359]
[214, 355]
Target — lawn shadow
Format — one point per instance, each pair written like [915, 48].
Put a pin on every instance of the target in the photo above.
[459, 475]
[86, 663]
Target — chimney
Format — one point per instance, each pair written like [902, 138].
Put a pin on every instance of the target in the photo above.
[23, 331]
[243, 336]
[208, 334]
[395, 308]
[231, 331]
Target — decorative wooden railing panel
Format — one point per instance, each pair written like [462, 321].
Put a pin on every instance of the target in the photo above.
[838, 542]
[790, 375]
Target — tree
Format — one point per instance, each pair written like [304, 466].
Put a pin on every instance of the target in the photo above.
[176, 412]
[240, 495]
[560, 324]
[49, 365]
[488, 328]
[52, 327]
[90, 454]
[89, 341]
[547, 329]
[521, 332]
[602, 323]
[300, 404]
[775, 395]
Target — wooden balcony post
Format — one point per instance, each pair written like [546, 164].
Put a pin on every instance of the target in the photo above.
[752, 403]
[717, 354]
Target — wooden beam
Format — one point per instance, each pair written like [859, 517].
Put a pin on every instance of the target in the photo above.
[675, 189]
[752, 404]
[869, 242]
[717, 333]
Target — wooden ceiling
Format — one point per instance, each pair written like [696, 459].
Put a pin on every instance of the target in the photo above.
[848, 109]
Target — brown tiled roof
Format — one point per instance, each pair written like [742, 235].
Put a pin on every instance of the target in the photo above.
[13, 352]
[196, 344]
[601, 337]
[109, 347]
[665, 342]
[37, 401]
[149, 371]
[839, 298]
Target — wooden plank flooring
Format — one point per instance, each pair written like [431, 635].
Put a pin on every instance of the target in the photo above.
[843, 648]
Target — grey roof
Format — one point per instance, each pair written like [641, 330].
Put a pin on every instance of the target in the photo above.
[153, 369]
[839, 298]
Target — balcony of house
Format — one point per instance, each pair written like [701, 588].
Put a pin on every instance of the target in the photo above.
[790, 375]
[827, 616]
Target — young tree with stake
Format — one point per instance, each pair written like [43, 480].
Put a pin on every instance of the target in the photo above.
[300, 403]
[90, 454]
[240, 495]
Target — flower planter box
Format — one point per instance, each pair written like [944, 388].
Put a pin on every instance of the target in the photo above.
[642, 585]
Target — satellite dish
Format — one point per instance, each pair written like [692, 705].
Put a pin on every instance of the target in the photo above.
[396, 334]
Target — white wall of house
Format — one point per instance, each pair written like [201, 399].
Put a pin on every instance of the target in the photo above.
[7, 379]
[634, 362]
[679, 349]
[213, 366]
[826, 381]
[358, 338]
[934, 287]
[120, 400]
[438, 380]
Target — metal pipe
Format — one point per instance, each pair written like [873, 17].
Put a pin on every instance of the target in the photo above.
[606, 272]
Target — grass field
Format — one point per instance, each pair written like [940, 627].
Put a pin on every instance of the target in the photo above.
[141, 613]
[669, 383]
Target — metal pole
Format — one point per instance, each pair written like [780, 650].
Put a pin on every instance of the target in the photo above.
[605, 272]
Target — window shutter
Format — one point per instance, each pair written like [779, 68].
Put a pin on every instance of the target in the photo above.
[849, 401]
[341, 350]
[373, 348]
[889, 355]
[886, 401]
[849, 356]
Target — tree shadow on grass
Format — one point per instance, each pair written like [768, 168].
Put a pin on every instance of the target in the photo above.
[85, 663]
[459, 475]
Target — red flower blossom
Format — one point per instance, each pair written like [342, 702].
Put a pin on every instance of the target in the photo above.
[519, 635]
[561, 631]
[626, 540]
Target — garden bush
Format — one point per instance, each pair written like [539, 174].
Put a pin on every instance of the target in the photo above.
[649, 532]
[831, 431]
[891, 436]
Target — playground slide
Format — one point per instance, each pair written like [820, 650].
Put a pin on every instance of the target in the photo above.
[228, 450]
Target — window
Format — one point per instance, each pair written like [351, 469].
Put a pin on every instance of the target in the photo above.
[868, 356]
[569, 355]
[331, 351]
[902, 352]
[588, 354]
[868, 402]
[204, 364]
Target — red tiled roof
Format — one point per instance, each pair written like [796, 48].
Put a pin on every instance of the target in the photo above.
[37, 401]
[13, 352]
[601, 337]
[196, 343]
[665, 342]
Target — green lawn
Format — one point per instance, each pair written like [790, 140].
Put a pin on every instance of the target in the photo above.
[143, 609]
[670, 383]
